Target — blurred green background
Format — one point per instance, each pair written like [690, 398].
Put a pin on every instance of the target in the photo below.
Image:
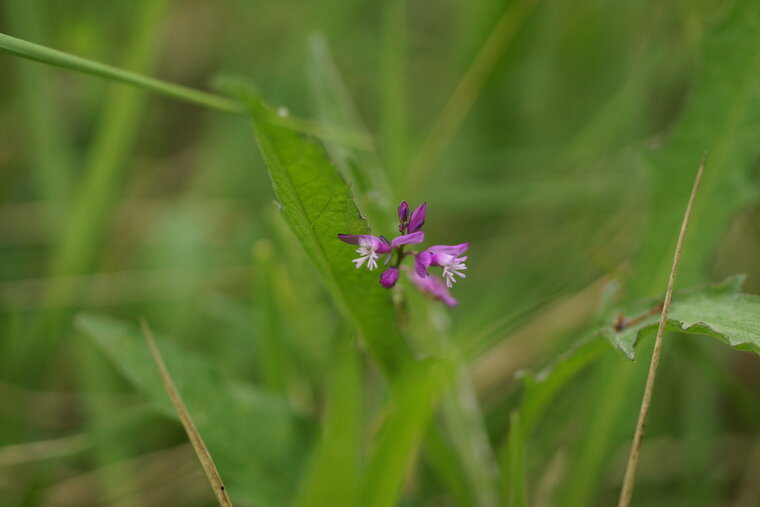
[560, 138]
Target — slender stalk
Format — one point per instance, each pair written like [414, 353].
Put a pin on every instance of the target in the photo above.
[31, 51]
[195, 438]
[42, 54]
[633, 457]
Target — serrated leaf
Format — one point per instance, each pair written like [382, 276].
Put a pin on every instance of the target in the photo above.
[719, 310]
[318, 205]
[254, 437]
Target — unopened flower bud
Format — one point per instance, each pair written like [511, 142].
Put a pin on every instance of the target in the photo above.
[389, 277]
[403, 212]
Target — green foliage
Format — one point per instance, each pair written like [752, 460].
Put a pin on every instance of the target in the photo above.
[720, 119]
[255, 438]
[318, 205]
[334, 109]
[719, 310]
[539, 112]
[408, 416]
[31, 51]
[336, 467]
[514, 464]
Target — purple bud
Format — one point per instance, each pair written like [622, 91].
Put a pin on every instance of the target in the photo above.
[389, 277]
[417, 220]
[403, 212]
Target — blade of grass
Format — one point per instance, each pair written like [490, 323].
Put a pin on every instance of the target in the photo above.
[514, 464]
[42, 54]
[410, 410]
[36, 52]
[454, 112]
[99, 190]
[334, 472]
[464, 423]
[633, 458]
[51, 156]
[187, 422]
[393, 119]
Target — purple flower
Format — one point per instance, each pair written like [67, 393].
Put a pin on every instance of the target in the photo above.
[408, 239]
[403, 213]
[370, 248]
[446, 256]
[449, 257]
[432, 286]
[417, 220]
[389, 277]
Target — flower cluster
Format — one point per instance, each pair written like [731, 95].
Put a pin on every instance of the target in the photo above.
[449, 257]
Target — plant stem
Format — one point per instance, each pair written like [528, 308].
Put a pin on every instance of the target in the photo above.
[633, 457]
[42, 54]
[195, 437]
[31, 51]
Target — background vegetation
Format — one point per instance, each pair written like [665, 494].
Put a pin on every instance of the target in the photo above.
[560, 138]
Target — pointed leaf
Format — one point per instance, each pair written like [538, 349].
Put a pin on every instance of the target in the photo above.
[318, 205]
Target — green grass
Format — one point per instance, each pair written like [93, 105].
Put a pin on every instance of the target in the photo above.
[194, 162]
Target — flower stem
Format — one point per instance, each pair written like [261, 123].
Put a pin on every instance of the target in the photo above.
[400, 256]
[633, 457]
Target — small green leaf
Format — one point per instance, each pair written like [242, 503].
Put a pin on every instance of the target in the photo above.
[318, 205]
[718, 310]
[255, 439]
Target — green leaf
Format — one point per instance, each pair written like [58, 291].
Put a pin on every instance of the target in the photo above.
[718, 310]
[318, 205]
[409, 412]
[254, 437]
